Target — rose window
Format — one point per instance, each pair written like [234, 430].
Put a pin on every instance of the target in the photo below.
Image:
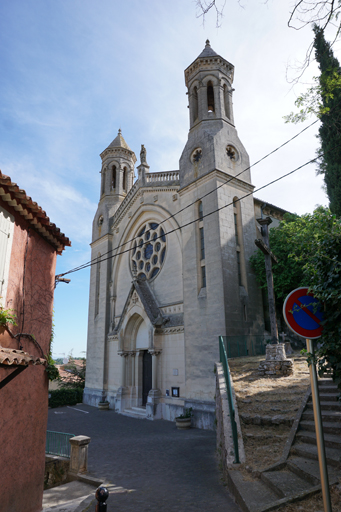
[149, 250]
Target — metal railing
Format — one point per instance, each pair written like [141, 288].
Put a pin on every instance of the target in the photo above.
[223, 360]
[243, 346]
[57, 443]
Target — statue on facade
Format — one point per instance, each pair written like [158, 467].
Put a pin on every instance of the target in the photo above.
[143, 154]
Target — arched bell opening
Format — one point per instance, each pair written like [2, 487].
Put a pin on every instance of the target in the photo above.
[210, 97]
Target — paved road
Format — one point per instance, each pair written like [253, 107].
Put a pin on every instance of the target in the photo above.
[165, 469]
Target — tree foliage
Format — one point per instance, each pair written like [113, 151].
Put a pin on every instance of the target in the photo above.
[330, 129]
[324, 100]
[309, 252]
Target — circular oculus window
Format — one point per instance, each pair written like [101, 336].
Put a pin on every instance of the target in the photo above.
[196, 156]
[231, 153]
[148, 251]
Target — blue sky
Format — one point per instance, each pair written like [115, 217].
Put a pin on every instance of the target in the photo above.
[74, 71]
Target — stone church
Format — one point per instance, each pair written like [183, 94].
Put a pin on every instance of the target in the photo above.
[171, 262]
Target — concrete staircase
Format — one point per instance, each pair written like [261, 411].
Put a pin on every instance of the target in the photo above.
[297, 474]
[135, 412]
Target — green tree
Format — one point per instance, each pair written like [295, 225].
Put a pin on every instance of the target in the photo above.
[308, 249]
[329, 132]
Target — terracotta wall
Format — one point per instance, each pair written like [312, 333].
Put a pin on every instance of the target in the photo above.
[24, 400]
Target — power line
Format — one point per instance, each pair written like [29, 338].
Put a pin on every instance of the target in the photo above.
[205, 195]
[95, 261]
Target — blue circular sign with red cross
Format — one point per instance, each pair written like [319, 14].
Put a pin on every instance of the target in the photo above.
[303, 313]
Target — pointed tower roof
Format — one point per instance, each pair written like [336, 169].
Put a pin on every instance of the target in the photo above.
[207, 51]
[208, 60]
[119, 142]
[119, 146]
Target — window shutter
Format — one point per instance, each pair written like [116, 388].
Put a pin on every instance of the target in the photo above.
[5, 243]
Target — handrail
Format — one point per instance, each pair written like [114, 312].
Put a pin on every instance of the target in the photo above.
[223, 360]
[57, 443]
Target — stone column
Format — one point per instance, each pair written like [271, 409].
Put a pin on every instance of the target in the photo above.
[154, 353]
[123, 372]
[132, 355]
[153, 406]
[79, 454]
[219, 100]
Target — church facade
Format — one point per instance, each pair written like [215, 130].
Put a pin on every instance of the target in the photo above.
[171, 262]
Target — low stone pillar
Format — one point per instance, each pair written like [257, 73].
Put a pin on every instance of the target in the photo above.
[276, 362]
[79, 454]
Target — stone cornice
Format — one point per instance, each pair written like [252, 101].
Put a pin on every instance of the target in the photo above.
[223, 176]
[105, 238]
[123, 152]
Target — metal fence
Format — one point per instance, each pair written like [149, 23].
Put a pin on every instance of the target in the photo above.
[223, 360]
[242, 346]
[57, 443]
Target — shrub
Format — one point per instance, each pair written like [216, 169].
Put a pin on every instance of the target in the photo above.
[60, 397]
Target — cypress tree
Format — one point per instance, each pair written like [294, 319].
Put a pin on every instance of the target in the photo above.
[330, 129]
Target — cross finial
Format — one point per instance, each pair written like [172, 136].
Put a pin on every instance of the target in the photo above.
[119, 131]
[208, 42]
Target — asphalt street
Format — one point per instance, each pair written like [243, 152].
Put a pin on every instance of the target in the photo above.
[161, 468]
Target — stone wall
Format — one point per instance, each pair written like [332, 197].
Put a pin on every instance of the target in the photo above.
[225, 446]
[56, 471]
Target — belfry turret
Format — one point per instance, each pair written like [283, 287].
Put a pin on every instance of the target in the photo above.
[117, 171]
[213, 142]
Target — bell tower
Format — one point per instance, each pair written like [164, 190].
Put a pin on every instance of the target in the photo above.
[117, 172]
[213, 142]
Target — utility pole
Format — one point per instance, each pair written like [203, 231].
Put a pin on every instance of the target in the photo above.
[270, 258]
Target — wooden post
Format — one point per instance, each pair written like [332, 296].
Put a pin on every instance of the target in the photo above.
[265, 247]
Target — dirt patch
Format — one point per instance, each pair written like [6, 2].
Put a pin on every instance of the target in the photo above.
[269, 406]
[315, 503]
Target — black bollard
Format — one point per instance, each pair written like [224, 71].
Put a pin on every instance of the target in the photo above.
[102, 494]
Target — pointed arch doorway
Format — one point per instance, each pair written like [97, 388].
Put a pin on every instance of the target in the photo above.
[146, 375]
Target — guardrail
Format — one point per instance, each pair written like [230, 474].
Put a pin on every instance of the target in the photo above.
[223, 360]
[57, 443]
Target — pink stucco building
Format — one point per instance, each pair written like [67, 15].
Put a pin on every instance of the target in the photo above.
[29, 244]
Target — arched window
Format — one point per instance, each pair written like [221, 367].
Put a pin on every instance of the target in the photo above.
[238, 232]
[113, 177]
[201, 248]
[98, 279]
[210, 97]
[125, 176]
[195, 105]
[103, 182]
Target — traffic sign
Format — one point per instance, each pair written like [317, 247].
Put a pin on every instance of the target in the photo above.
[302, 313]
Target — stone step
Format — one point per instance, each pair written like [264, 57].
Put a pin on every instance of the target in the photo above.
[326, 405]
[285, 483]
[329, 427]
[332, 396]
[135, 412]
[251, 494]
[326, 415]
[309, 451]
[330, 440]
[309, 470]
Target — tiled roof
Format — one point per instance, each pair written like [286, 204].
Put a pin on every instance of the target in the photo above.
[119, 142]
[32, 212]
[207, 51]
[13, 357]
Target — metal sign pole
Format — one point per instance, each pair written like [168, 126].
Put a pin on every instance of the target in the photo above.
[319, 433]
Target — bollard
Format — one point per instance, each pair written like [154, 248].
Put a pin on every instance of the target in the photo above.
[102, 494]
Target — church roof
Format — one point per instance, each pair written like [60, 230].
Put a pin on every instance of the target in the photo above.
[207, 51]
[119, 142]
[148, 301]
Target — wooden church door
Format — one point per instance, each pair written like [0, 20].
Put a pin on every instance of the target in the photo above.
[146, 376]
